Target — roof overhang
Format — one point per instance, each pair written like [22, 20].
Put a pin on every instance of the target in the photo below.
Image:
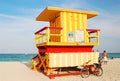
[49, 12]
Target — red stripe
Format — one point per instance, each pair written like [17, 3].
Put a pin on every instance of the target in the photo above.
[58, 49]
[41, 30]
[54, 28]
[92, 30]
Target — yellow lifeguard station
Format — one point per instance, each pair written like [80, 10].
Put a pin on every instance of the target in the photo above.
[66, 43]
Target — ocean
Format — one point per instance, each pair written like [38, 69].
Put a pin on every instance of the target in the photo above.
[28, 57]
[115, 55]
[16, 57]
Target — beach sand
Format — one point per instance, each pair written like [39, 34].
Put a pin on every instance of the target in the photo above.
[21, 71]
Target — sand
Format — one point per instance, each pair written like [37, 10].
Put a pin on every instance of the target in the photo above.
[20, 71]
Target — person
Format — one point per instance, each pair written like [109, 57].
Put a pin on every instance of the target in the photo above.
[112, 58]
[100, 60]
[105, 55]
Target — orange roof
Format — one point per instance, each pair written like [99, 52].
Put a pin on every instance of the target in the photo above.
[49, 12]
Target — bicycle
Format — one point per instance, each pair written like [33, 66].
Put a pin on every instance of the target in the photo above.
[95, 69]
[98, 71]
[85, 70]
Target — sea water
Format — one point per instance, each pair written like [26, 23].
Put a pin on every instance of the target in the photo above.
[28, 57]
[110, 55]
[16, 57]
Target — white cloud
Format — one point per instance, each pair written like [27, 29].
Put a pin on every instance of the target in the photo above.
[17, 33]
[108, 23]
[29, 12]
[19, 23]
[110, 31]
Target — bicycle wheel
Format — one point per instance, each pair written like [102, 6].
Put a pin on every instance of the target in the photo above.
[84, 73]
[98, 71]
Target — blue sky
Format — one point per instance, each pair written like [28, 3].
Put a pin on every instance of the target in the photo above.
[17, 22]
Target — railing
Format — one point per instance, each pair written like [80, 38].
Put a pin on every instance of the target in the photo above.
[54, 35]
[93, 36]
[48, 34]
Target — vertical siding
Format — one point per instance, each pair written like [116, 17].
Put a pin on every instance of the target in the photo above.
[72, 59]
[61, 25]
[79, 21]
[69, 18]
[75, 21]
[72, 22]
[55, 22]
[85, 27]
[64, 25]
[84, 21]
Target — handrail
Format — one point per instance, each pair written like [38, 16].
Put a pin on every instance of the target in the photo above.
[92, 30]
[54, 34]
[55, 28]
[41, 30]
[52, 28]
[46, 35]
[93, 35]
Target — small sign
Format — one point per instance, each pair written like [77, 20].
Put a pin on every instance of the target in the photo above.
[70, 34]
[70, 37]
[79, 36]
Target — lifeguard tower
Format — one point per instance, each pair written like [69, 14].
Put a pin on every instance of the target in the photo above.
[66, 43]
